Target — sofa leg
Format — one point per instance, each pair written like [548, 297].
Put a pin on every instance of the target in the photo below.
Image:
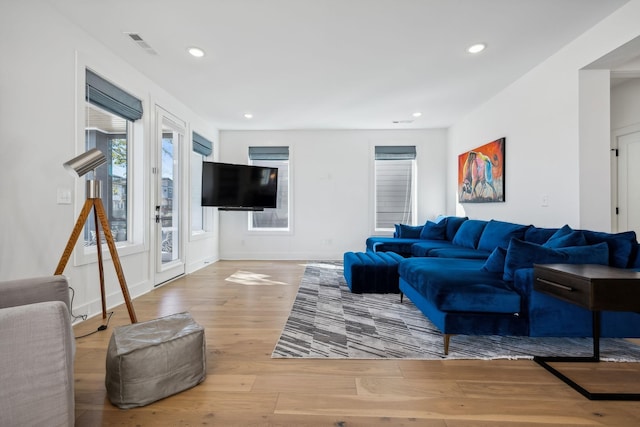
[447, 338]
[401, 297]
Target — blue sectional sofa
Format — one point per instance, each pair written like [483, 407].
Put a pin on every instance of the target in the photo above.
[475, 277]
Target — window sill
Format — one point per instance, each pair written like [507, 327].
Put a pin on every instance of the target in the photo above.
[270, 231]
[89, 255]
[201, 235]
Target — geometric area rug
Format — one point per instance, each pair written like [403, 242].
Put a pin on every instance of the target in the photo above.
[327, 321]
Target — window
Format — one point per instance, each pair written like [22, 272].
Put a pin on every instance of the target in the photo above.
[277, 218]
[109, 114]
[394, 186]
[202, 148]
[197, 216]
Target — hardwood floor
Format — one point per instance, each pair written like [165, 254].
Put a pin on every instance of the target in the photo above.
[245, 387]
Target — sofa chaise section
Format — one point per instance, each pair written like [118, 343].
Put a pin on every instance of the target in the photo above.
[460, 298]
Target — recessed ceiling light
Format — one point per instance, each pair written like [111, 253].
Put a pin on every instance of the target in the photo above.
[417, 114]
[195, 51]
[248, 115]
[477, 48]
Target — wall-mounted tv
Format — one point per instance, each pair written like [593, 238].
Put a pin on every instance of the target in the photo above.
[239, 187]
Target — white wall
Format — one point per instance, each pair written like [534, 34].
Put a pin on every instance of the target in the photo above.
[594, 130]
[41, 101]
[540, 116]
[625, 104]
[332, 190]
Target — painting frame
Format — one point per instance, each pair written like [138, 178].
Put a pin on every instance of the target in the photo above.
[481, 177]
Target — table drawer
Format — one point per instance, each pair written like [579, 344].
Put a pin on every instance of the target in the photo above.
[571, 290]
[594, 287]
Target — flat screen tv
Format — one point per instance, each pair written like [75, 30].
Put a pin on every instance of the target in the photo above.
[239, 187]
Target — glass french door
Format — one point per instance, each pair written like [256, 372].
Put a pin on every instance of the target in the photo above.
[169, 235]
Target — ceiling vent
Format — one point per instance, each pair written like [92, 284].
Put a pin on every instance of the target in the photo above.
[143, 44]
[402, 121]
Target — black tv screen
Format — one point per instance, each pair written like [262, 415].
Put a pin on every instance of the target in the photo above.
[228, 185]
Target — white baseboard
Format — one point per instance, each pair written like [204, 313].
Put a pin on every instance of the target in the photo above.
[94, 308]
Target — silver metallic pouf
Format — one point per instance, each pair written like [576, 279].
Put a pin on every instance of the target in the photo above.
[149, 361]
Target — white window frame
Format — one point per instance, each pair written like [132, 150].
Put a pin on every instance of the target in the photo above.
[413, 200]
[277, 230]
[136, 208]
[196, 179]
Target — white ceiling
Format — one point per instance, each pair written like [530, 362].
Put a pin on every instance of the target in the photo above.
[335, 64]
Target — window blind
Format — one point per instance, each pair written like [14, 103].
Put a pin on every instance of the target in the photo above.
[111, 98]
[201, 145]
[395, 152]
[269, 153]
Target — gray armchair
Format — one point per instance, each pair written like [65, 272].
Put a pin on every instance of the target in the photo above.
[37, 350]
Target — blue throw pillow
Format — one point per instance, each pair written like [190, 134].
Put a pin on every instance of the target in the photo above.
[405, 231]
[538, 235]
[620, 245]
[566, 237]
[524, 254]
[453, 224]
[434, 231]
[469, 233]
[562, 231]
[495, 262]
[500, 233]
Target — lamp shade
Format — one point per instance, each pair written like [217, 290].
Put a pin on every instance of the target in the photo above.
[85, 162]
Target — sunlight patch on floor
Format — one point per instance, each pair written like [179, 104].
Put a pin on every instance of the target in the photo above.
[252, 279]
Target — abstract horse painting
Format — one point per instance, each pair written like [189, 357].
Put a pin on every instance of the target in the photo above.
[481, 174]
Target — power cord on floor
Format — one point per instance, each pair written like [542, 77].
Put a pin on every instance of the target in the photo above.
[100, 328]
[82, 316]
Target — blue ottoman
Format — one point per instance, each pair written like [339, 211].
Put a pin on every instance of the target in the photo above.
[372, 272]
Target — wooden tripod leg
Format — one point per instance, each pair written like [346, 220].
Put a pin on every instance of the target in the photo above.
[77, 229]
[99, 207]
[100, 266]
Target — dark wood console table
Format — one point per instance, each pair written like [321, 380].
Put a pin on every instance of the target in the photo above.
[596, 288]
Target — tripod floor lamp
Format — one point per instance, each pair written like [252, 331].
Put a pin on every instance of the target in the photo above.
[80, 166]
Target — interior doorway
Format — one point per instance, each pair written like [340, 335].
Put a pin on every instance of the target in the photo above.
[628, 192]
